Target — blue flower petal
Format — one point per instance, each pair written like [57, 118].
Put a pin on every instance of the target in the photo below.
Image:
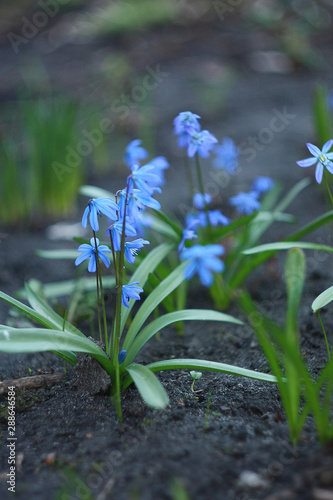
[92, 264]
[104, 258]
[85, 217]
[308, 162]
[93, 218]
[327, 146]
[205, 276]
[314, 150]
[319, 172]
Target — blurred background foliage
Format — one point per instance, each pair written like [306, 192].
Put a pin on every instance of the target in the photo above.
[46, 104]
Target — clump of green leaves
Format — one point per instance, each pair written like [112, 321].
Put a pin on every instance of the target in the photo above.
[300, 392]
[30, 154]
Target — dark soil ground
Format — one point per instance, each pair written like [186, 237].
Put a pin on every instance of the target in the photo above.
[230, 441]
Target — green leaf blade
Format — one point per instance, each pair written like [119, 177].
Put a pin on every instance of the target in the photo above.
[41, 306]
[195, 364]
[167, 319]
[148, 385]
[146, 267]
[166, 286]
[287, 245]
[23, 340]
[323, 299]
[295, 277]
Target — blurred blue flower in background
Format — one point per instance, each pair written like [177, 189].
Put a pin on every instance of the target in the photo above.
[215, 218]
[245, 203]
[262, 184]
[201, 201]
[185, 124]
[134, 153]
[160, 163]
[188, 235]
[201, 143]
[145, 178]
[203, 261]
[227, 155]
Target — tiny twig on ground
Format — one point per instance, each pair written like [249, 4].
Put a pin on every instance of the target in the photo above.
[32, 382]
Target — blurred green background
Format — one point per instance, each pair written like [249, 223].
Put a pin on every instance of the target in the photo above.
[81, 78]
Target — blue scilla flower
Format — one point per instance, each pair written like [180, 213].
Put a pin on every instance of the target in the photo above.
[122, 356]
[130, 291]
[203, 261]
[192, 221]
[215, 218]
[185, 124]
[227, 155]
[137, 201]
[115, 231]
[201, 143]
[322, 158]
[97, 207]
[134, 153]
[144, 200]
[245, 203]
[200, 201]
[188, 234]
[142, 222]
[89, 252]
[145, 178]
[160, 164]
[132, 248]
[262, 184]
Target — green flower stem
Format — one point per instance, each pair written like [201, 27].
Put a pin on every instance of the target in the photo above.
[111, 346]
[322, 326]
[114, 259]
[97, 288]
[116, 392]
[199, 175]
[328, 189]
[104, 313]
[189, 176]
[202, 190]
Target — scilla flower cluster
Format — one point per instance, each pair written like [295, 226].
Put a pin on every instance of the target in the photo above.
[125, 218]
[203, 260]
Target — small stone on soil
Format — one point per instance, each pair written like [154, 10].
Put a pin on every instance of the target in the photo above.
[88, 375]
